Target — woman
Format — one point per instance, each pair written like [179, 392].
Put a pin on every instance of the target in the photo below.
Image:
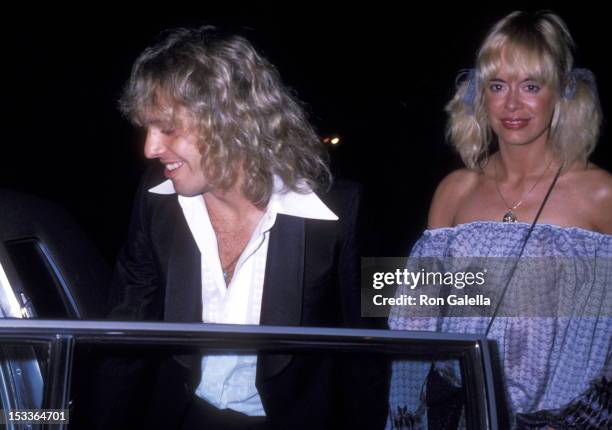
[524, 122]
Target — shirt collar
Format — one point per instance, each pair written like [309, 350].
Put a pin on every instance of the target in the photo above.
[165, 187]
[282, 201]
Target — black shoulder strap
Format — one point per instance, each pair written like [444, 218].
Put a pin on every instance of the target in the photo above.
[533, 224]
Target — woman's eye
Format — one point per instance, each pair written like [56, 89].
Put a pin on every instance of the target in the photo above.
[495, 87]
[168, 131]
[532, 88]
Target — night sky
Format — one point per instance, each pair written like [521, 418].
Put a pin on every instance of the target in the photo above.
[377, 77]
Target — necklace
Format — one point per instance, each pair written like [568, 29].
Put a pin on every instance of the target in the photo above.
[229, 236]
[510, 216]
[229, 268]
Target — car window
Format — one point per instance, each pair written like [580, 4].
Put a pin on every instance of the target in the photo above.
[398, 391]
[22, 367]
[9, 307]
[21, 379]
[136, 375]
[41, 280]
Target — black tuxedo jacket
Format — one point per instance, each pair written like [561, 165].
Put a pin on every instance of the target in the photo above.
[312, 268]
[311, 279]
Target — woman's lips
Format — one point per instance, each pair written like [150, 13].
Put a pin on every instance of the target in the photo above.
[514, 123]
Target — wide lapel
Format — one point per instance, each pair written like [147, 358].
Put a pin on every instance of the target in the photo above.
[184, 284]
[281, 303]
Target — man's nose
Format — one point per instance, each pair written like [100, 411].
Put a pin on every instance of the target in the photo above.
[153, 147]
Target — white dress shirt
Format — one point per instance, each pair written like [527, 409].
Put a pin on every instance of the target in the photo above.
[228, 381]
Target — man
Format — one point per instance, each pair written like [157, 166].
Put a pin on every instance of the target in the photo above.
[246, 229]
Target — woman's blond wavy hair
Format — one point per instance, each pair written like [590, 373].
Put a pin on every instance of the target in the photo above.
[540, 45]
[245, 117]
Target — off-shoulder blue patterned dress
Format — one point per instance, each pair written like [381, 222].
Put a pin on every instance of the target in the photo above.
[549, 356]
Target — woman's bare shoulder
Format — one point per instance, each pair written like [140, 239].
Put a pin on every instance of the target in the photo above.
[594, 185]
[448, 196]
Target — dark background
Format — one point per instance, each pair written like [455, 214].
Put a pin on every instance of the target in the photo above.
[378, 77]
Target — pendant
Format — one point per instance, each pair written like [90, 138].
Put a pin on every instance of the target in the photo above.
[510, 216]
